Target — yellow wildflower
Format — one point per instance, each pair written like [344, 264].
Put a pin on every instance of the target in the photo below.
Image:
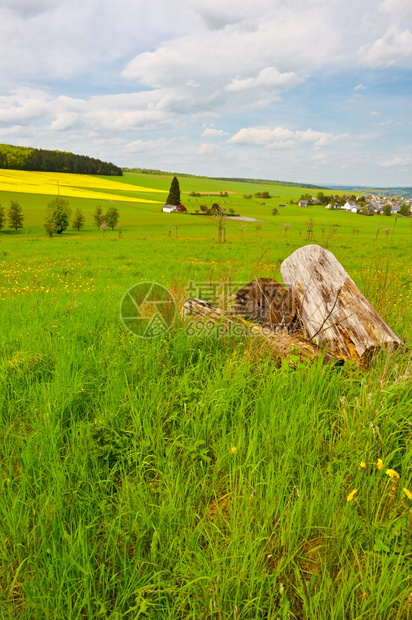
[233, 450]
[392, 474]
[379, 464]
[362, 465]
[408, 493]
[351, 495]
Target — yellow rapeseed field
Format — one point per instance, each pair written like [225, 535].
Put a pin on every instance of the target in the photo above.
[70, 185]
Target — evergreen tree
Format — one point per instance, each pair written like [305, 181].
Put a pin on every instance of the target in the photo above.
[174, 193]
[16, 216]
[58, 212]
[78, 220]
[98, 216]
[2, 217]
[112, 217]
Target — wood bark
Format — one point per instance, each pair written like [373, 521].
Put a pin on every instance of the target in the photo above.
[265, 301]
[330, 306]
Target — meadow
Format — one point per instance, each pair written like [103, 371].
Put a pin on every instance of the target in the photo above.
[196, 477]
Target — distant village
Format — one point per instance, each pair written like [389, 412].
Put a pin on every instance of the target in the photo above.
[368, 204]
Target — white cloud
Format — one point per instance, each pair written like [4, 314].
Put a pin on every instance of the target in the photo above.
[360, 87]
[280, 137]
[395, 46]
[26, 8]
[247, 62]
[269, 77]
[123, 113]
[395, 162]
[204, 149]
[211, 132]
[399, 9]
[60, 39]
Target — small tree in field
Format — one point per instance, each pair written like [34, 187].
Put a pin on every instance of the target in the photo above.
[78, 220]
[58, 212]
[98, 216]
[2, 217]
[286, 226]
[387, 210]
[112, 217]
[174, 193]
[220, 220]
[16, 216]
[49, 226]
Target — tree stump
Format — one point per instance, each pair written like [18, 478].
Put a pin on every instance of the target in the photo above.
[281, 343]
[265, 301]
[331, 307]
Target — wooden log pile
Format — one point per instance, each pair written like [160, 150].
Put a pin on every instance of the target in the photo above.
[318, 311]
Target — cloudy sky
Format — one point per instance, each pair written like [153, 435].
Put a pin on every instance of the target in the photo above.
[317, 91]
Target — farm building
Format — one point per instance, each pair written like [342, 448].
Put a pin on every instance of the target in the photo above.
[174, 209]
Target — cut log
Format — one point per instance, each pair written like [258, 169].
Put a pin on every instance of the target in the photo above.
[266, 301]
[281, 342]
[331, 307]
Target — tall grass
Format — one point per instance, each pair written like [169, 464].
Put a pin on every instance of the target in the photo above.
[196, 477]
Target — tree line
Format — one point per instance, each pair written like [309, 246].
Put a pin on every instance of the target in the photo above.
[58, 215]
[43, 160]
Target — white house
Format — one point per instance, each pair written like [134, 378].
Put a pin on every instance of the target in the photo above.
[169, 208]
[350, 206]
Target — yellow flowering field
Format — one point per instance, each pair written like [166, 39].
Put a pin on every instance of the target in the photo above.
[70, 185]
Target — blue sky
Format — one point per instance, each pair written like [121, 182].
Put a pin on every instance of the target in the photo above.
[317, 91]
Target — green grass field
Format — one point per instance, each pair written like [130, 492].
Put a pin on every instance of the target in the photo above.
[197, 477]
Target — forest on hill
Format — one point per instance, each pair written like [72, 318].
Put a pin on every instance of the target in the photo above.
[43, 160]
[235, 179]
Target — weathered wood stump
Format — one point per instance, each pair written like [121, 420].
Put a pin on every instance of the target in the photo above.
[330, 306]
[266, 301]
[281, 343]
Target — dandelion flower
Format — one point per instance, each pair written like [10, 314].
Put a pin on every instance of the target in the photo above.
[362, 465]
[233, 450]
[351, 495]
[379, 464]
[392, 474]
[408, 493]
